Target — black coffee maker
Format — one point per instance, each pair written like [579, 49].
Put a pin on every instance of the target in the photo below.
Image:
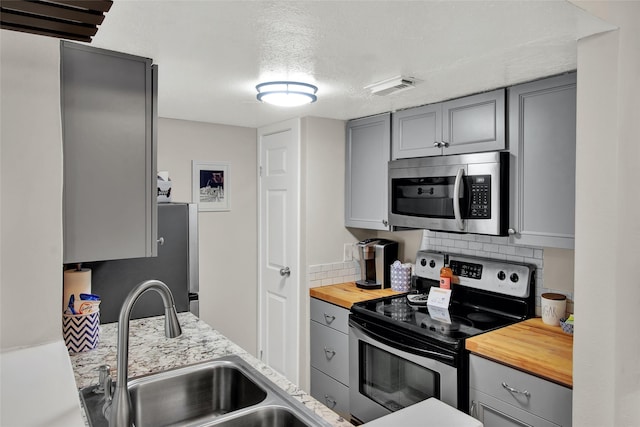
[376, 257]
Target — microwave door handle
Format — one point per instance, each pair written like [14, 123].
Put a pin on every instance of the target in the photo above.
[456, 199]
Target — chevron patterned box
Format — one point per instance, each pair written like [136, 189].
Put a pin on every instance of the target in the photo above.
[81, 331]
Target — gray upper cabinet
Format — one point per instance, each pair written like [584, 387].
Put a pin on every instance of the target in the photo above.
[109, 145]
[465, 125]
[417, 132]
[542, 139]
[368, 148]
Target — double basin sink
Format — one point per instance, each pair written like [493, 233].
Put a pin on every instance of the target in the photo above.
[224, 392]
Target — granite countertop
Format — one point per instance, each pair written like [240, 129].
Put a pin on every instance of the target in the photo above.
[150, 351]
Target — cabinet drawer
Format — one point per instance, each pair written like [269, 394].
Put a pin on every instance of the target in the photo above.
[496, 413]
[330, 315]
[330, 392]
[545, 399]
[330, 352]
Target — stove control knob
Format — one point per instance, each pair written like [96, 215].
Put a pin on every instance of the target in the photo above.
[423, 262]
[514, 278]
[432, 264]
[501, 275]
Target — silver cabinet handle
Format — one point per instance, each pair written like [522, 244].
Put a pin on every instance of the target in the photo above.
[285, 272]
[385, 222]
[329, 318]
[445, 144]
[331, 402]
[472, 410]
[437, 144]
[511, 231]
[329, 353]
[161, 241]
[513, 390]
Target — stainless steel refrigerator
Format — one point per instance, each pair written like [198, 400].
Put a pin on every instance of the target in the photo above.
[176, 265]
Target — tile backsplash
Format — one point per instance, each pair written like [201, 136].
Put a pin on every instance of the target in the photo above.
[332, 274]
[494, 247]
[464, 244]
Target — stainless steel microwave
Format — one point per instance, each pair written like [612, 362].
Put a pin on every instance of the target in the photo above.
[465, 193]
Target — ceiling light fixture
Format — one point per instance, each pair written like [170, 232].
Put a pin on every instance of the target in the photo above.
[286, 94]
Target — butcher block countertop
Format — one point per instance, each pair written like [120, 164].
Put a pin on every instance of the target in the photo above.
[530, 346]
[346, 294]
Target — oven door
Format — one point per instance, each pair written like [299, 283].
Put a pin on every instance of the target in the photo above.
[388, 374]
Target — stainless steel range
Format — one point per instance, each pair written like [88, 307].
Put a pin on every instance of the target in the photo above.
[402, 351]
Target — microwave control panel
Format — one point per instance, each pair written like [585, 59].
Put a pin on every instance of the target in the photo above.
[480, 196]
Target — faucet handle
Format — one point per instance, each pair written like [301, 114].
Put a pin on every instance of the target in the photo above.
[104, 381]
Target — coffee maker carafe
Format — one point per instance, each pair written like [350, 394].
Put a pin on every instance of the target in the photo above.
[376, 257]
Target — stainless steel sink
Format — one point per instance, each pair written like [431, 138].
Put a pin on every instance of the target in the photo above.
[180, 395]
[266, 416]
[223, 392]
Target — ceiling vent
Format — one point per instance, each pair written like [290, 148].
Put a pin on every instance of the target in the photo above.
[392, 85]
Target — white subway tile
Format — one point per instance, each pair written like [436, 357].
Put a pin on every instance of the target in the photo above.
[499, 240]
[488, 247]
[475, 245]
[538, 253]
[515, 258]
[524, 251]
[507, 250]
[315, 268]
[461, 244]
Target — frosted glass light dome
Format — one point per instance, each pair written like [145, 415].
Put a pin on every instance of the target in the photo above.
[286, 94]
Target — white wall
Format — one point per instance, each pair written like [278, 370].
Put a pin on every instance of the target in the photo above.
[607, 287]
[228, 240]
[31, 191]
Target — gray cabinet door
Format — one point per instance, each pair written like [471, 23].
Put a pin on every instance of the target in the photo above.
[465, 125]
[109, 146]
[368, 149]
[474, 123]
[542, 134]
[417, 132]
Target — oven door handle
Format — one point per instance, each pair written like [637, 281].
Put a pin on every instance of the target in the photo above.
[456, 199]
[403, 347]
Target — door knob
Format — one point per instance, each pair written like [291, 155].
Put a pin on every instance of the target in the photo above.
[285, 272]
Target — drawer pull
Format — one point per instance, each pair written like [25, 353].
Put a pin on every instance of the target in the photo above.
[513, 390]
[331, 403]
[329, 353]
[329, 318]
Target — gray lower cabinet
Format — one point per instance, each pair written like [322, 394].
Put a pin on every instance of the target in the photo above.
[109, 145]
[500, 396]
[464, 125]
[330, 355]
[542, 143]
[368, 150]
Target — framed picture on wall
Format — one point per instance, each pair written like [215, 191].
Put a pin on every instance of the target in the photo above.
[210, 186]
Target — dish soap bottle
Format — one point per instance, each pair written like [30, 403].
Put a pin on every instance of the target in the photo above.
[446, 274]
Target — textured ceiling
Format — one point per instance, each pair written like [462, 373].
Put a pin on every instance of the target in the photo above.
[211, 54]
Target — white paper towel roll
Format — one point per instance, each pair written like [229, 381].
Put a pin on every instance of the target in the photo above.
[76, 282]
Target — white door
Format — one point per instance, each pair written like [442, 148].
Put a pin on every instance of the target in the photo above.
[279, 273]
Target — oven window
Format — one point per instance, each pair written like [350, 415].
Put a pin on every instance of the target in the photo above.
[393, 382]
[426, 197]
